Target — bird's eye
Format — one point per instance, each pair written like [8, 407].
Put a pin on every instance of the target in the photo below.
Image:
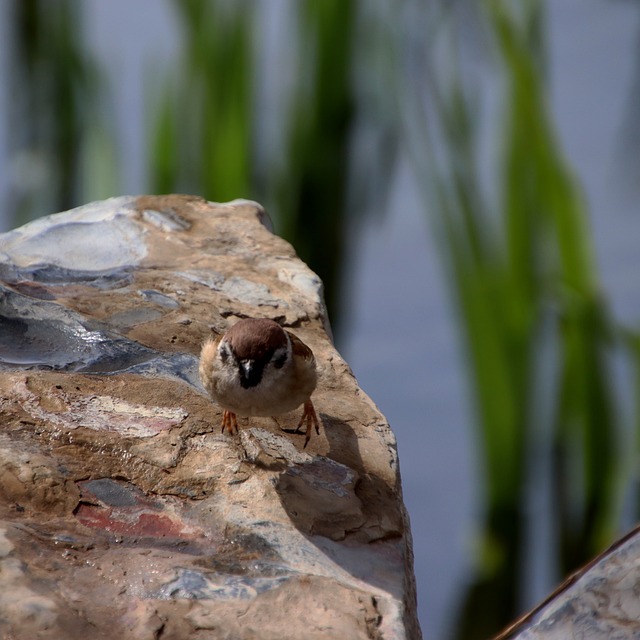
[279, 358]
[224, 353]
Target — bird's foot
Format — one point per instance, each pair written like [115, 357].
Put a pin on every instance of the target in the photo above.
[229, 422]
[309, 414]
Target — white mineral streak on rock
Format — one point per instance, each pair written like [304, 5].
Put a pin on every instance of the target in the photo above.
[101, 413]
[5, 544]
[165, 220]
[304, 280]
[259, 443]
[248, 292]
[96, 237]
[208, 278]
[235, 288]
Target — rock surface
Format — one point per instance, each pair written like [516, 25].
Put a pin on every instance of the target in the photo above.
[599, 602]
[124, 512]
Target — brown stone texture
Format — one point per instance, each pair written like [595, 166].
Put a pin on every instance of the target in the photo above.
[124, 511]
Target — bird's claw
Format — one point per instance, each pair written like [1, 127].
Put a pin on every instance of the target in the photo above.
[229, 422]
[309, 414]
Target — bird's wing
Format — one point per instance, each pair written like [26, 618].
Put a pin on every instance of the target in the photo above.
[300, 348]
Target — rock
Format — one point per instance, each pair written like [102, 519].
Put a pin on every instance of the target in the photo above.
[599, 602]
[124, 511]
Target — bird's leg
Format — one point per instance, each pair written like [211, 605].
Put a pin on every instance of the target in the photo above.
[309, 414]
[225, 419]
[229, 422]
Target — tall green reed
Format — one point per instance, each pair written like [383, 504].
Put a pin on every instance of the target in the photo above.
[310, 189]
[204, 136]
[539, 338]
[57, 129]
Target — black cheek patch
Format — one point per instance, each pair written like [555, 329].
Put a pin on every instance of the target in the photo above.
[279, 361]
[254, 377]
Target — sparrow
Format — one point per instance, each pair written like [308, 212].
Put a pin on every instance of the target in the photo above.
[258, 369]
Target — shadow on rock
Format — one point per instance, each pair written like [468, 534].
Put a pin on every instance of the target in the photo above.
[344, 512]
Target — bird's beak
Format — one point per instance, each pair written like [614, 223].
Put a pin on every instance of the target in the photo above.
[250, 373]
[247, 368]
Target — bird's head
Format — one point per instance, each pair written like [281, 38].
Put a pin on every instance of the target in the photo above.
[253, 347]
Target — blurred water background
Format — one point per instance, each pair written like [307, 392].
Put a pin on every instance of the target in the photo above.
[464, 176]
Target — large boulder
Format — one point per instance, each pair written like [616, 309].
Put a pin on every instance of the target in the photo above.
[124, 511]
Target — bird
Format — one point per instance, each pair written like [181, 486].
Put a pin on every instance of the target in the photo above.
[257, 368]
